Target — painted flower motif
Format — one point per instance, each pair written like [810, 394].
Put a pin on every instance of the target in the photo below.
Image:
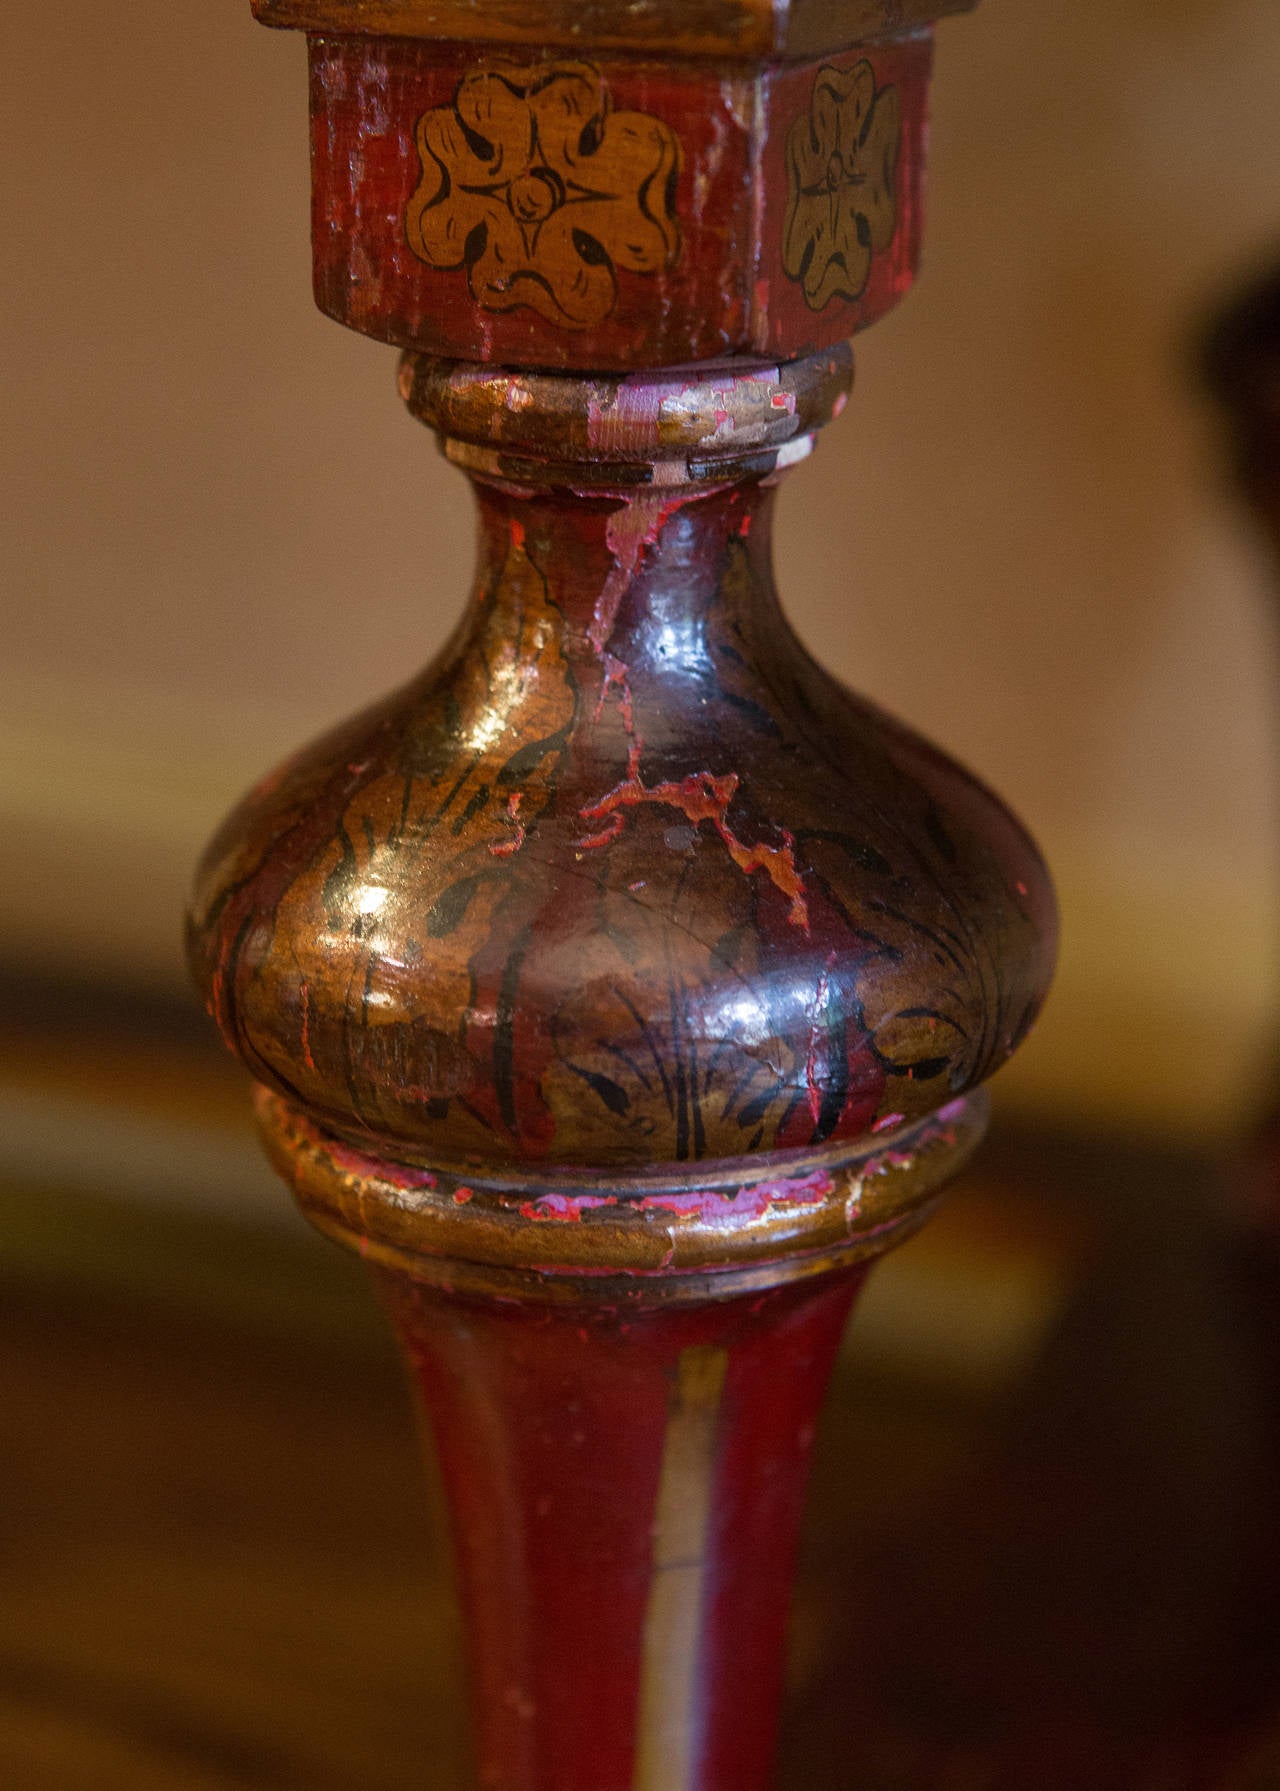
[541, 191]
[842, 164]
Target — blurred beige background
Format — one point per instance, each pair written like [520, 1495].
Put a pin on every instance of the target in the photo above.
[219, 531]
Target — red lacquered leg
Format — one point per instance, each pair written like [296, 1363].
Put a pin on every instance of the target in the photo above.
[626, 1488]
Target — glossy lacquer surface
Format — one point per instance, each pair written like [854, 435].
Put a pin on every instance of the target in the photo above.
[624, 878]
[626, 1491]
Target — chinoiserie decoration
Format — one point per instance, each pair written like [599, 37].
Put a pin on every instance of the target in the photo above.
[842, 162]
[534, 184]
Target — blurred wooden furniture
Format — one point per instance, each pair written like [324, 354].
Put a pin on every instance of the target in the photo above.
[1241, 362]
[1240, 365]
[622, 986]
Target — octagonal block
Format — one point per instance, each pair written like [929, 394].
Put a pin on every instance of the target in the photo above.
[585, 211]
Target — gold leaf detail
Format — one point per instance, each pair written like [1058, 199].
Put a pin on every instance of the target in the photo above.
[534, 184]
[842, 165]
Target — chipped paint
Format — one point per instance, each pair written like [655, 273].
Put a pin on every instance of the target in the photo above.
[701, 796]
[633, 527]
[757, 1200]
[565, 1209]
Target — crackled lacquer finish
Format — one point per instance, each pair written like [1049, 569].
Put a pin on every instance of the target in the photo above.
[623, 878]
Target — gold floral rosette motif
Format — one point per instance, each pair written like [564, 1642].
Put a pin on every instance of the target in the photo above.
[534, 184]
[842, 165]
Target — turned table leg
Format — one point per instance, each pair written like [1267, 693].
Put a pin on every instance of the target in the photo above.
[622, 985]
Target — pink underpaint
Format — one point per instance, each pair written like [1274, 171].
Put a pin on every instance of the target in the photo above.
[811, 1066]
[616, 672]
[889, 1121]
[505, 848]
[699, 797]
[355, 1163]
[632, 528]
[594, 840]
[1021, 888]
[565, 1209]
[462, 1195]
[755, 1201]
[628, 532]
[895, 1159]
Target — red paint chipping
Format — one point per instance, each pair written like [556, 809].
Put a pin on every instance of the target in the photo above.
[517, 535]
[889, 1121]
[566, 1208]
[616, 671]
[629, 531]
[462, 1195]
[756, 1201]
[701, 797]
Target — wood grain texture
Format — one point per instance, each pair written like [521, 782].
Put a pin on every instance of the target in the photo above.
[730, 29]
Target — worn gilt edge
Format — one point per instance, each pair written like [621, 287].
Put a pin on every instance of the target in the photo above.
[705, 426]
[633, 419]
[682, 1234]
[741, 30]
